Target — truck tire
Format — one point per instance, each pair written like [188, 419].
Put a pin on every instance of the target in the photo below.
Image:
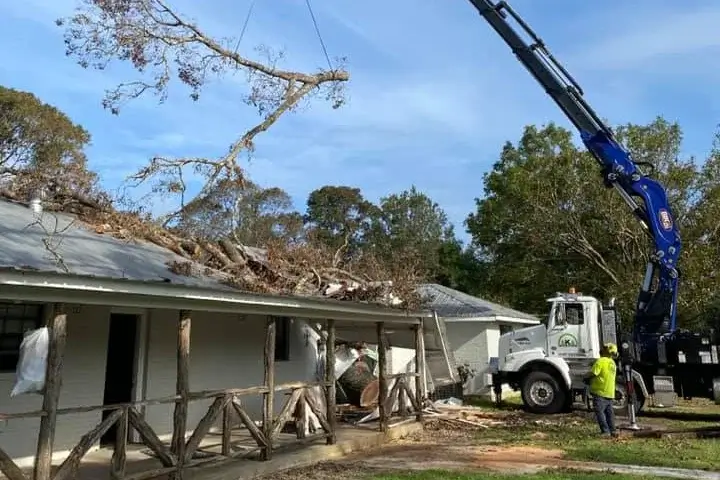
[542, 393]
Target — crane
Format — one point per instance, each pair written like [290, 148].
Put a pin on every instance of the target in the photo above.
[655, 313]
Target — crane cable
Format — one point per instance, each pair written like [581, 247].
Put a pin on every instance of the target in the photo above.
[247, 19]
[319, 35]
[315, 24]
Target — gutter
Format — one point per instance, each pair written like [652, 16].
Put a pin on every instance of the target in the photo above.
[58, 287]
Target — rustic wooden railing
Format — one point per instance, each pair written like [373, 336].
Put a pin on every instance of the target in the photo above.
[401, 399]
[312, 421]
[300, 407]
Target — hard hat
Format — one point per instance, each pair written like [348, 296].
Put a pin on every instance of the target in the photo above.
[611, 348]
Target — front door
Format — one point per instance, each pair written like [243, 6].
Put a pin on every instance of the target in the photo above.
[120, 366]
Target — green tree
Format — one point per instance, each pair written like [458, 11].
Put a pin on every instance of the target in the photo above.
[411, 224]
[41, 147]
[547, 221]
[252, 216]
[338, 217]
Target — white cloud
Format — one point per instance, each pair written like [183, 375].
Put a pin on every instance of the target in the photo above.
[434, 91]
[659, 35]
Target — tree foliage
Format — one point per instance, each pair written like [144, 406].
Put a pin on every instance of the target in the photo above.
[338, 216]
[547, 221]
[42, 149]
[253, 215]
[411, 222]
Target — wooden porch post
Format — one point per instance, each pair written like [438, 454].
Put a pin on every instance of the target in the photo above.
[330, 380]
[269, 382]
[182, 389]
[419, 369]
[53, 384]
[382, 376]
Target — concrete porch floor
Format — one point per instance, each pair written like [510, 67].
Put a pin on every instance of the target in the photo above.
[350, 438]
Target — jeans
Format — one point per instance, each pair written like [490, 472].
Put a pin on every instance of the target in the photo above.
[604, 414]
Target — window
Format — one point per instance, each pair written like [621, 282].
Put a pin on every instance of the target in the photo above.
[574, 314]
[282, 339]
[15, 320]
[505, 329]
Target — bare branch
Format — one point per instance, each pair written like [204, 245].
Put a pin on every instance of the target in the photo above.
[162, 45]
[54, 236]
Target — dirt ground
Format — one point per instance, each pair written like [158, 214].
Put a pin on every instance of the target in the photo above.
[440, 446]
[461, 444]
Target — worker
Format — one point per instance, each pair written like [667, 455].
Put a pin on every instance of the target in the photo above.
[601, 379]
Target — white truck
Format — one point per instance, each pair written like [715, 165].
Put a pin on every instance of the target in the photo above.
[546, 363]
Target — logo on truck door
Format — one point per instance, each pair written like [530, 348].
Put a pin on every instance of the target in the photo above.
[567, 340]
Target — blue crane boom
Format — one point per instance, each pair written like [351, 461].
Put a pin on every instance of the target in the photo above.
[647, 198]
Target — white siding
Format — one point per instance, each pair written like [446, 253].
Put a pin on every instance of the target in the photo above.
[225, 352]
[83, 384]
[469, 343]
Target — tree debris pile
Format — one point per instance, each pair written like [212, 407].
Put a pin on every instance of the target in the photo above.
[471, 418]
[460, 419]
[305, 269]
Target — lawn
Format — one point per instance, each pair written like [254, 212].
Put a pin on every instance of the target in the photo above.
[551, 475]
[578, 438]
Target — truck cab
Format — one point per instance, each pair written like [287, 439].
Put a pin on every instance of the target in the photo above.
[547, 363]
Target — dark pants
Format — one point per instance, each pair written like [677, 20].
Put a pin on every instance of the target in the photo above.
[604, 414]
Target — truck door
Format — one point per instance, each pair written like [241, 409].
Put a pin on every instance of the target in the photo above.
[567, 336]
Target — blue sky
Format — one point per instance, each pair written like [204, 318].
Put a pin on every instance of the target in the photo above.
[433, 96]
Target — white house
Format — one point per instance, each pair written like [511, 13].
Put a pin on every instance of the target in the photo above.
[123, 306]
[473, 328]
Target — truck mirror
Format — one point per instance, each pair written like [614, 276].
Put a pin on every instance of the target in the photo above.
[560, 315]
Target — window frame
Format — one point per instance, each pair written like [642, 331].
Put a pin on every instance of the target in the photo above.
[28, 321]
[581, 317]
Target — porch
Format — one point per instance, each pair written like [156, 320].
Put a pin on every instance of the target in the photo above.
[226, 433]
[289, 453]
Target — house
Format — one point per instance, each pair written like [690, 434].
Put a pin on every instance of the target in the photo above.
[137, 347]
[473, 328]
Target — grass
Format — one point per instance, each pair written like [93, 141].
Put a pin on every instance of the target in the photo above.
[579, 439]
[549, 475]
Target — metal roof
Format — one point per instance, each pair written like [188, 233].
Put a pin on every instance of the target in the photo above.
[135, 273]
[84, 252]
[450, 303]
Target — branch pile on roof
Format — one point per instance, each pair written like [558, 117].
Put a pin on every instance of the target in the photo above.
[302, 270]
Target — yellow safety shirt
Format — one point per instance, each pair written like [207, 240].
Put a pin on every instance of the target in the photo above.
[603, 383]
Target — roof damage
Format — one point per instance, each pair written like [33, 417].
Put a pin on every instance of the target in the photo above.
[107, 243]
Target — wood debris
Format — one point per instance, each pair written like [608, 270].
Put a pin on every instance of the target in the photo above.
[299, 270]
[467, 416]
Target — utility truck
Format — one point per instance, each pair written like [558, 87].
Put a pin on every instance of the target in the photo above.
[546, 363]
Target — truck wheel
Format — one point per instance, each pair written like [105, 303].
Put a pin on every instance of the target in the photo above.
[621, 400]
[541, 393]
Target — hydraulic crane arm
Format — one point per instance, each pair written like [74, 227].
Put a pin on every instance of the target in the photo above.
[657, 300]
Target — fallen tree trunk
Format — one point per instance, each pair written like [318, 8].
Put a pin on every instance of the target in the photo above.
[359, 385]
